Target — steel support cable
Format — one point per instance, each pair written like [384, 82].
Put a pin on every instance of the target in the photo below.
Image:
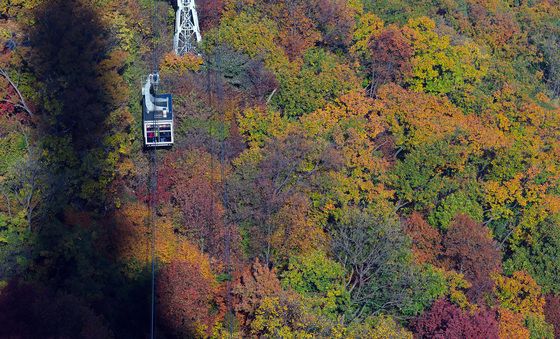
[225, 197]
[211, 223]
[152, 202]
[213, 81]
[153, 172]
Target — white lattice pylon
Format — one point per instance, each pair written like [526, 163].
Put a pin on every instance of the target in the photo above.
[187, 31]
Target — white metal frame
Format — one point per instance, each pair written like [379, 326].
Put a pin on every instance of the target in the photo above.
[187, 31]
[158, 123]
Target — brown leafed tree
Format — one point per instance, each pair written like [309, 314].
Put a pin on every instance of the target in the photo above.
[470, 249]
[334, 19]
[391, 53]
[258, 191]
[295, 233]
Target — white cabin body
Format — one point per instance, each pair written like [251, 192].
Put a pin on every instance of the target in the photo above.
[157, 115]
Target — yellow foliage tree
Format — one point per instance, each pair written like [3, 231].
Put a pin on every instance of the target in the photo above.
[519, 293]
[251, 35]
[368, 26]
[351, 127]
[173, 64]
[380, 327]
[134, 233]
[438, 66]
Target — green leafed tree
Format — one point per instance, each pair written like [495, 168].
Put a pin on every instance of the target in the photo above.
[539, 257]
[320, 280]
[381, 275]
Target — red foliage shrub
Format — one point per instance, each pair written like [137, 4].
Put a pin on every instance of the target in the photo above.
[7, 105]
[191, 181]
[446, 320]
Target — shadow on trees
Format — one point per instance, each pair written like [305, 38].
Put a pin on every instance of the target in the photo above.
[73, 283]
[73, 286]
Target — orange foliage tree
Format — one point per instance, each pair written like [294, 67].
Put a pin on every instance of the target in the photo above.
[418, 118]
[133, 231]
[512, 325]
[255, 283]
[187, 299]
[426, 240]
[297, 31]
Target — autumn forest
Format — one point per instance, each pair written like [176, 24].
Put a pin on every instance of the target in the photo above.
[340, 169]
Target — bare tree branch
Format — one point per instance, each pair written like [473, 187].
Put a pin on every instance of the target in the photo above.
[22, 104]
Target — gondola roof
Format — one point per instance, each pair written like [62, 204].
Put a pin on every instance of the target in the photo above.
[158, 115]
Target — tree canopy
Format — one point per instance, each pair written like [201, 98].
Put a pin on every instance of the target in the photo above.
[342, 169]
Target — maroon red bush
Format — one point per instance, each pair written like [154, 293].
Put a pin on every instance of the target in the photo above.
[209, 13]
[447, 321]
[552, 312]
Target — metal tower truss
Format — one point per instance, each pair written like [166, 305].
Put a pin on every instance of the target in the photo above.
[187, 31]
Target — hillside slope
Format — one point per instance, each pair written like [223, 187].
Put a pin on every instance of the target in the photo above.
[344, 169]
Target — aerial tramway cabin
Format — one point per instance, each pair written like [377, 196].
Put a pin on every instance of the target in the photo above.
[157, 109]
[157, 114]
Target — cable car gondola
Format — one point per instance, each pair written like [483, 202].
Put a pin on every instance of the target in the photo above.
[157, 115]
